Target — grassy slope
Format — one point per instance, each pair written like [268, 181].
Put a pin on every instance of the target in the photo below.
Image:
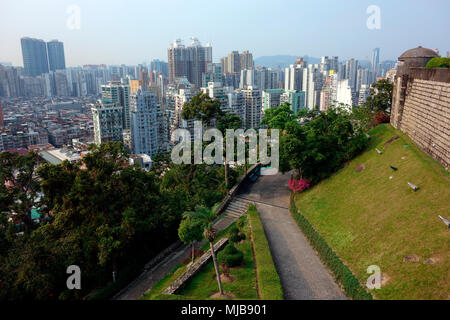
[369, 219]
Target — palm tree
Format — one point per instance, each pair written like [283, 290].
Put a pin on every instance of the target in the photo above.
[207, 217]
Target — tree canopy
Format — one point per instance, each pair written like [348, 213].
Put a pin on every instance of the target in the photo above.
[380, 97]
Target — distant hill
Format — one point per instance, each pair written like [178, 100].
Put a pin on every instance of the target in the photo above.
[282, 61]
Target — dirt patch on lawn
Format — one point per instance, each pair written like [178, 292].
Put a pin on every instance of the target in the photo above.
[226, 278]
[411, 258]
[384, 279]
[392, 140]
[432, 260]
[225, 295]
[360, 167]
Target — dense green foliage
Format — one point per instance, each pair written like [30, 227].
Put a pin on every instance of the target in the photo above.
[319, 147]
[380, 97]
[230, 256]
[189, 232]
[99, 213]
[438, 62]
[268, 280]
[342, 273]
[278, 118]
[203, 108]
[235, 235]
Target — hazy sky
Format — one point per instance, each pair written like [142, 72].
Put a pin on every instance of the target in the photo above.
[132, 31]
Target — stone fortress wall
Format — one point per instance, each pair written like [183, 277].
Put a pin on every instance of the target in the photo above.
[421, 109]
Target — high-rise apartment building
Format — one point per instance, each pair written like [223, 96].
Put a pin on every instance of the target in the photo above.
[247, 78]
[271, 98]
[2, 123]
[351, 73]
[312, 84]
[56, 58]
[61, 85]
[295, 98]
[375, 60]
[293, 77]
[235, 62]
[34, 53]
[364, 92]
[116, 92]
[344, 93]
[108, 122]
[190, 62]
[236, 104]
[363, 77]
[253, 107]
[213, 74]
[144, 123]
[159, 66]
[246, 60]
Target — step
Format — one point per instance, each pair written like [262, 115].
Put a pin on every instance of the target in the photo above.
[234, 209]
[238, 205]
[234, 214]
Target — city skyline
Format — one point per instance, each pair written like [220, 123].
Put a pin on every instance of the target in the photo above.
[260, 28]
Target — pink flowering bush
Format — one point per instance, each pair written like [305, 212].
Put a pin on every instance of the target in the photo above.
[299, 185]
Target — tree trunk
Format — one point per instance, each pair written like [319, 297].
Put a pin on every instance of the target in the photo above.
[193, 252]
[114, 267]
[213, 254]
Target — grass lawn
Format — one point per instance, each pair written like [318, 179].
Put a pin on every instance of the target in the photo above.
[156, 292]
[268, 279]
[369, 218]
[204, 284]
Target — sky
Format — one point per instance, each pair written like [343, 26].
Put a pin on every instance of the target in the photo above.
[133, 31]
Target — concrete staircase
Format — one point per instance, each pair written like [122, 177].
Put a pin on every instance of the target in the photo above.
[233, 211]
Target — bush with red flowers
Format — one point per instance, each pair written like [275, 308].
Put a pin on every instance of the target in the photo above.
[299, 185]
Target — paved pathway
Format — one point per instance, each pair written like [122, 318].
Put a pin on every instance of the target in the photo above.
[302, 274]
[150, 277]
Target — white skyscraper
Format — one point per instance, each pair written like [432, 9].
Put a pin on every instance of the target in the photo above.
[247, 78]
[293, 77]
[344, 93]
[144, 124]
[312, 84]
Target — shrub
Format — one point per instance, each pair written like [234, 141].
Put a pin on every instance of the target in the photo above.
[236, 238]
[438, 63]
[268, 279]
[241, 222]
[230, 256]
[381, 118]
[233, 231]
[299, 185]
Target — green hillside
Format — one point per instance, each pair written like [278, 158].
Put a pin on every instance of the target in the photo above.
[373, 217]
